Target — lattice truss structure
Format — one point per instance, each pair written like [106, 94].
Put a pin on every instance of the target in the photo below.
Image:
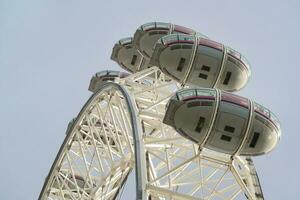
[97, 154]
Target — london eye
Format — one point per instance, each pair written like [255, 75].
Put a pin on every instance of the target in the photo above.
[172, 118]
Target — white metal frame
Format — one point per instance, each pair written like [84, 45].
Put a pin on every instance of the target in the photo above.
[176, 167]
[121, 127]
[98, 152]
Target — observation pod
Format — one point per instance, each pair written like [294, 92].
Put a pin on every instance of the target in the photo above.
[127, 56]
[148, 34]
[201, 62]
[81, 183]
[101, 77]
[223, 122]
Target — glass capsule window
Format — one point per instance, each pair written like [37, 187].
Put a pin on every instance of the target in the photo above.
[211, 43]
[245, 62]
[113, 73]
[163, 25]
[275, 120]
[186, 93]
[183, 94]
[238, 100]
[125, 41]
[261, 109]
[233, 53]
[169, 38]
[206, 92]
[175, 38]
[185, 38]
[148, 26]
[102, 73]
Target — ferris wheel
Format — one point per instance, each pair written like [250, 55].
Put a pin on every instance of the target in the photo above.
[171, 118]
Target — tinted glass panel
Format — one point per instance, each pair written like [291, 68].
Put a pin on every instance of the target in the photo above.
[261, 109]
[169, 38]
[229, 129]
[275, 120]
[226, 138]
[254, 140]
[227, 78]
[125, 40]
[193, 104]
[181, 64]
[134, 57]
[185, 37]
[245, 62]
[173, 47]
[233, 53]
[162, 25]
[148, 26]
[211, 43]
[203, 76]
[200, 124]
[186, 93]
[209, 93]
[186, 46]
[205, 68]
[206, 103]
[238, 100]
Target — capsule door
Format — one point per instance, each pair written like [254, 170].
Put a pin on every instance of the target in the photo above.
[230, 124]
[235, 74]
[206, 65]
[264, 132]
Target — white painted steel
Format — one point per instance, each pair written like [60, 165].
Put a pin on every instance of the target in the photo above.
[100, 146]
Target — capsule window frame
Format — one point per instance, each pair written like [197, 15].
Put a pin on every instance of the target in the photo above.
[254, 139]
[193, 104]
[158, 32]
[199, 103]
[203, 76]
[226, 138]
[128, 47]
[205, 68]
[174, 47]
[229, 129]
[181, 64]
[227, 78]
[207, 103]
[133, 60]
[200, 124]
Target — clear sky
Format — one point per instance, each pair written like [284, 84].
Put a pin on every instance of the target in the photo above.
[49, 50]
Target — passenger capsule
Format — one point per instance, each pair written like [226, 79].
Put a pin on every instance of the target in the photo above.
[68, 179]
[101, 77]
[148, 34]
[201, 62]
[128, 57]
[223, 122]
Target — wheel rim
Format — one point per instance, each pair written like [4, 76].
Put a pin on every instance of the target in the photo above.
[97, 153]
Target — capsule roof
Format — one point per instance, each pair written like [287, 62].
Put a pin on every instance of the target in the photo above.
[147, 35]
[111, 73]
[103, 76]
[201, 62]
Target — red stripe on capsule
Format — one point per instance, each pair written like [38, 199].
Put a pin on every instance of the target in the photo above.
[211, 43]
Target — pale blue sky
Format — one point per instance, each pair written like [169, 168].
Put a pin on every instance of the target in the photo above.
[49, 49]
